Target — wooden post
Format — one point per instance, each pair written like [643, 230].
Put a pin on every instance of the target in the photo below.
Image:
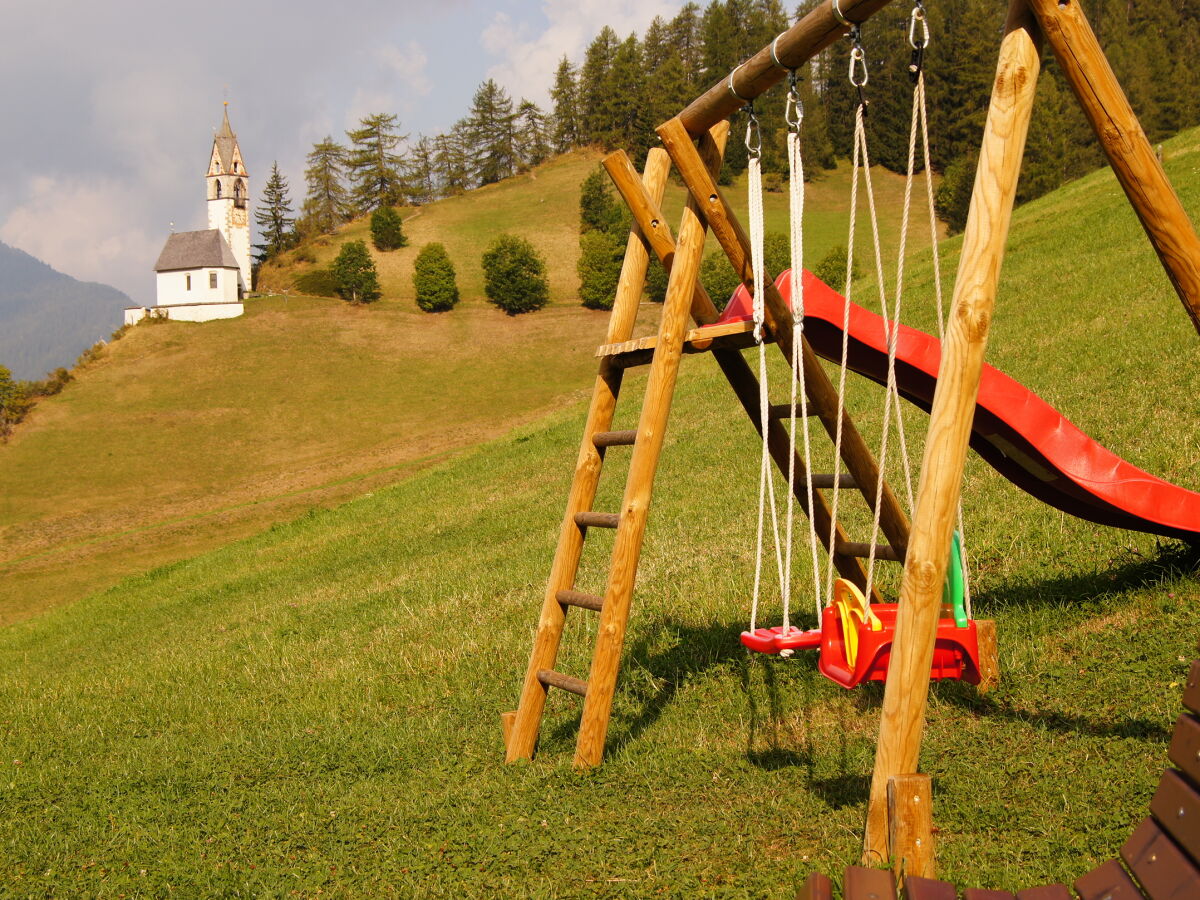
[910, 833]
[660, 389]
[906, 693]
[989, 655]
[729, 233]
[521, 729]
[794, 47]
[1137, 167]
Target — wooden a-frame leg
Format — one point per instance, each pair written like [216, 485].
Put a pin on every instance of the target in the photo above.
[627, 545]
[522, 728]
[907, 688]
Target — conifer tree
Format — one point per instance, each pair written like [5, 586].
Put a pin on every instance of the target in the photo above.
[593, 84]
[375, 170]
[451, 160]
[565, 95]
[492, 133]
[627, 123]
[420, 174]
[532, 141]
[354, 275]
[327, 204]
[685, 39]
[433, 279]
[274, 217]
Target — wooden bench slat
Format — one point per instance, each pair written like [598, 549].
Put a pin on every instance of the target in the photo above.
[985, 894]
[816, 887]
[1191, 690]
[1107, 882]
[868, 884]
[1161, 868]
[1045, 892]
[918, 888]
[1185, 747]
[1176, 805]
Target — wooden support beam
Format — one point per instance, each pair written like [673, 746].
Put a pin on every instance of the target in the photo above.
[738, 373]
[906, 693]
[521, 730]
[910, 834]
[734, 241]
[1133, 159]
[989, 655]
[796, 46]
[643, 465]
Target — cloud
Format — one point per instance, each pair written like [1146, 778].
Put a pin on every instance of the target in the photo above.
[528, 58]
[89, 229]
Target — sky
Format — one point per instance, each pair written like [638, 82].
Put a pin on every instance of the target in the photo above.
[109, 108]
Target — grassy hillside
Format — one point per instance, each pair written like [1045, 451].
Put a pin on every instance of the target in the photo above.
[543, 207]
[314, 709]
[185, 437]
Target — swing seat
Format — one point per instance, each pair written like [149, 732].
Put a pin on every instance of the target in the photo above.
[773, 640]
[955, 655]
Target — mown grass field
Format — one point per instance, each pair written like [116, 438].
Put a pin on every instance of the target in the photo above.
[312, 711]
[184, 437]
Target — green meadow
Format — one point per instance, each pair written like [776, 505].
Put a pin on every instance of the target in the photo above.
[312, 710]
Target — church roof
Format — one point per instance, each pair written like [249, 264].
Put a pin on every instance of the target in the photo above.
[225, 140]
[195, 250]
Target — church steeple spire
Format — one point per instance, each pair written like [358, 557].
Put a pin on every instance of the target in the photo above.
[229, 195]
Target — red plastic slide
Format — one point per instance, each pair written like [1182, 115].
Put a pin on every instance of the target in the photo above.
[1022, 436]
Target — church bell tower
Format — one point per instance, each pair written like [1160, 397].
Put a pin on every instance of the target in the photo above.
[229, 198]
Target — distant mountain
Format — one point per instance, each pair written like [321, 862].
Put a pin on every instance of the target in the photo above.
[47, 318]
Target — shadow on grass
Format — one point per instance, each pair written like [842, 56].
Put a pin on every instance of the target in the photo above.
[1172, 560]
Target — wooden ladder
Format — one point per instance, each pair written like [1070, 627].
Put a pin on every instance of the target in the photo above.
[685, 297]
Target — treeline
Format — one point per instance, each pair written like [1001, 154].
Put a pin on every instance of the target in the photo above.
[623, 87]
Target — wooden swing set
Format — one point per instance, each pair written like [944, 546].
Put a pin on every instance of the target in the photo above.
[898, 824]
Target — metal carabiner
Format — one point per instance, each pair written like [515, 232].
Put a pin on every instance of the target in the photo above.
[753, 133]
[858, 64]
[918, 17]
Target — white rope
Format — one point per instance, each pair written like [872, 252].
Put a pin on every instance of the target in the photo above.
[796, 209]
[766, 494]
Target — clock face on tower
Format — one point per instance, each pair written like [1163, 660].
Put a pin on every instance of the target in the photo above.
[239, 216]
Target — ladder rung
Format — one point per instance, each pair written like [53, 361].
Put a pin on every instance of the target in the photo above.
[784, 410]
[614, 438]
[578, 598]
[557, 679]
[597, 520]
[825, 482]
[862, 551]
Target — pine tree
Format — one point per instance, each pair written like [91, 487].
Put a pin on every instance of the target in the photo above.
[624, 109]
[514, 275]
[599, 269]
[421, 172]
[598, 210]
[374, 169]
[685, 38]
[387, 229]
[451, 160]
[492, 133]
[328, 203]
[274, 217]
[565, 95]
[532, 142]
[433, 279]
[594, 81]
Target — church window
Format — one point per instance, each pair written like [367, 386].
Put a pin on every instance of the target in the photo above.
[218, 184]
[189, 280]
[212, 279]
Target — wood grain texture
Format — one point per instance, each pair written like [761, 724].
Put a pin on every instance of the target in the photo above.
[1176, 806]
[796, 46]
[1107, 882]
[729, 233]
[1185, 747]
[643, 465]
[816, 887]
[989, 655]
[522, 731]
[1161, 868]
[910, 822]
[1191, 690]
[1131, 155]
[917, 888]
[906, 693]
[868, 884]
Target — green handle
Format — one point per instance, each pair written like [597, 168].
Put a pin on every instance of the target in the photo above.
[952, 588]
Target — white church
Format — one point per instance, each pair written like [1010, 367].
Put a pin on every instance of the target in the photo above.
[204, 275]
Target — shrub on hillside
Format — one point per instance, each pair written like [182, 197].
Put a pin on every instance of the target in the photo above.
[317, 283]
[304, 255]
[954, 193]
[598, 209]
[514, 275]
[354, 274]
[719, 279]
[387, 229]
[433, 278]
[832, 269]
[656, 282]
[599, 269]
